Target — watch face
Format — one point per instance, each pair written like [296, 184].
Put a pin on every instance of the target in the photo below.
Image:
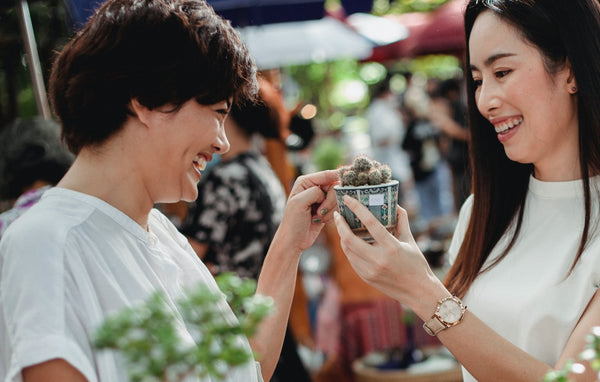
[450, 312]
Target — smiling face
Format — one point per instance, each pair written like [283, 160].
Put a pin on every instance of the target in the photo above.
[185, 140]
[533, 111]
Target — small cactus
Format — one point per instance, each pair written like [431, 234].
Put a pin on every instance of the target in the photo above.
[364, 171]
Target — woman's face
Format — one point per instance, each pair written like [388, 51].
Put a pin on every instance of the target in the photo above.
[186, 141]
[533, 112]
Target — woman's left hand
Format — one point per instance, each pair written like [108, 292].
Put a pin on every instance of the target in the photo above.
[310, 205]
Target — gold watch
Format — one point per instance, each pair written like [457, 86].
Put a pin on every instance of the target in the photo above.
[449, 312]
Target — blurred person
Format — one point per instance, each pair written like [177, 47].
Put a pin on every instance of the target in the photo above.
[142, 93]
[449, 112]
[32, 159]
[240, 205]
[525, 251]
[421, 143]
[387, 131]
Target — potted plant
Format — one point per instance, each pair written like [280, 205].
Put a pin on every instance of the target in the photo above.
[371, 183]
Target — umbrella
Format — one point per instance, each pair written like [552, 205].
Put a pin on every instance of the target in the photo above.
[303, 42]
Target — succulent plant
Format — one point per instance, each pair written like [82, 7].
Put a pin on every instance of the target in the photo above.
[364, 171]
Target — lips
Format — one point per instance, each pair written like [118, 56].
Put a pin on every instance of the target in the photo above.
[506, 125]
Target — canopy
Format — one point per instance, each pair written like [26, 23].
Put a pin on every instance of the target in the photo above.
[440, 31]
[303, 42]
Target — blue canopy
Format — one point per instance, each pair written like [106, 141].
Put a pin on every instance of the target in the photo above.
[243, 12]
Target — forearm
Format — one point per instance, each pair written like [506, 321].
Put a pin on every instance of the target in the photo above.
[277, 280]
[483, 352]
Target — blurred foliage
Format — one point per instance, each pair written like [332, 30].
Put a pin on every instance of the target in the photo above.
[334, 86]
[591, 355]
[328, 154]
[382, 7]
[147, 335]
[49, 20]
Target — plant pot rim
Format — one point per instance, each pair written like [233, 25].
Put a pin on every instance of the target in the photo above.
[390, 183]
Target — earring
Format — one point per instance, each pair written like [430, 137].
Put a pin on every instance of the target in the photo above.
[574, 89]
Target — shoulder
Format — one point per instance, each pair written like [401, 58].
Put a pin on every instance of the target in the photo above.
[163, 227]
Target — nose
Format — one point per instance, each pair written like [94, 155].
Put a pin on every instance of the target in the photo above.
[488, 98]
[221, 144]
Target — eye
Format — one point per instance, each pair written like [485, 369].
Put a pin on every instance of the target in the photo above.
[501, 73]
[477, 83]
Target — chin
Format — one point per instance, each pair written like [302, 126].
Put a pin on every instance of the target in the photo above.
[517, 156]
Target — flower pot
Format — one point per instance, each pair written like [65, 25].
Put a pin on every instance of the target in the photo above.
[381, 200]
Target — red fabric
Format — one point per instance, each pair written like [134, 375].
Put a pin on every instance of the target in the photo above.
[375, 326]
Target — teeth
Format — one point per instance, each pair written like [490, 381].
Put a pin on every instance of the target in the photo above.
[508, 125]
[200, 162]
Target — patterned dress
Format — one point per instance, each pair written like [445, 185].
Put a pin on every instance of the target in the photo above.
[239, 207]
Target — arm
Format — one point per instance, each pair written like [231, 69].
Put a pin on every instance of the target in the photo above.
[277, 279]
[56, 370]
[396, 266]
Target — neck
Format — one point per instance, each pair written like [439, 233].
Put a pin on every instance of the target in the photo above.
[110, 175]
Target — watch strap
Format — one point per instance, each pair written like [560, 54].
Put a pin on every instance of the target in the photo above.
[434, 326]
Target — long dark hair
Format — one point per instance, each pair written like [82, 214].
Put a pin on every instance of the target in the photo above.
[563, 31]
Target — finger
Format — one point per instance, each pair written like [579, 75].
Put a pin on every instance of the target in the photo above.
[403, 232]
[309, 201]
[324, 211]
[323, 179]
[375, 228]
[350, 243]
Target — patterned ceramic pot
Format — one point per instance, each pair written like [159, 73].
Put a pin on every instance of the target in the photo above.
[381, 200]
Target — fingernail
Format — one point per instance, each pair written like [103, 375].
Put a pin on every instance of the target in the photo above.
[346, 198]
[317, 220]
[324, 211]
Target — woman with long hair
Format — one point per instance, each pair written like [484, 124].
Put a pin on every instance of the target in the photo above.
[526, 251]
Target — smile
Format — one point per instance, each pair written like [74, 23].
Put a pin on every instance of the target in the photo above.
[505, 126]
[200, 163]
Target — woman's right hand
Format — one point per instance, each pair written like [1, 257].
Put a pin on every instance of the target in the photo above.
[392, 264]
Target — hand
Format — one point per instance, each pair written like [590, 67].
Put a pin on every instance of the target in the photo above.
[309, 206]
[392, 264]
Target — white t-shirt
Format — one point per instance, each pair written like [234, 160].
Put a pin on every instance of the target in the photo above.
[526, 298]
[71, 261]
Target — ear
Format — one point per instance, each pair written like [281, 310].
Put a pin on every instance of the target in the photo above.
[141, 111]
[571, 81]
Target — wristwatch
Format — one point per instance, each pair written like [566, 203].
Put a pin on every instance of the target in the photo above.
[449, 312]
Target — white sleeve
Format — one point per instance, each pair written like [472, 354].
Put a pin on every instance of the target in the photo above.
[461, 229]
[39, 319]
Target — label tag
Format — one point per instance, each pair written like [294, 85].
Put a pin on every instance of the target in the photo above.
[376, 200]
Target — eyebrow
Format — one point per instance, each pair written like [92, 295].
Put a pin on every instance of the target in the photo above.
[491, 59]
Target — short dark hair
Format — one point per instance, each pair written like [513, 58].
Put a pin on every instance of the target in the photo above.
[157, 51]
[31, 150]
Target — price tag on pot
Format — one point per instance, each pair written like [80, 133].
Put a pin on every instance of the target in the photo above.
[376, 200]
